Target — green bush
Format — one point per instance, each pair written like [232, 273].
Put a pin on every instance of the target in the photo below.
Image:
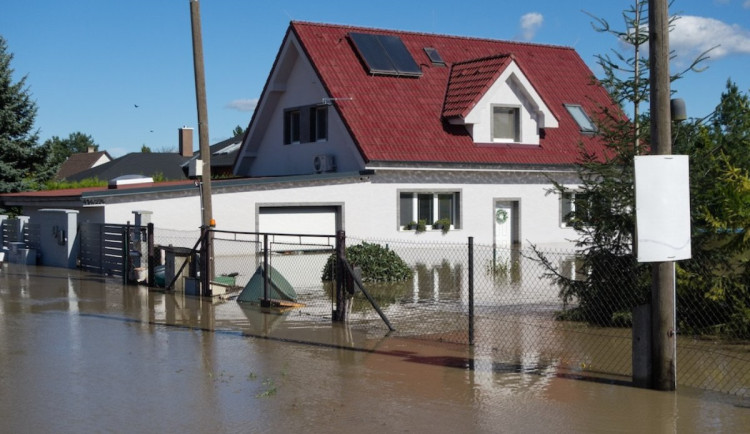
[378, 264]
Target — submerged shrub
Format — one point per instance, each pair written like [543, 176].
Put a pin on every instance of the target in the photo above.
[378, 264]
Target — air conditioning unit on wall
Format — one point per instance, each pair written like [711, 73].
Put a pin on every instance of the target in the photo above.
[324, 163]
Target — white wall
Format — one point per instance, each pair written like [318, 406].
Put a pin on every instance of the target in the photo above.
[370, 210]
[301, 88]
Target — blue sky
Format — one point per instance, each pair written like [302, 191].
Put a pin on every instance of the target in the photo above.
[88, 63]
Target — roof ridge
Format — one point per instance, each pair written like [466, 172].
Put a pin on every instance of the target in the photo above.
[441, 35]
[484, 58]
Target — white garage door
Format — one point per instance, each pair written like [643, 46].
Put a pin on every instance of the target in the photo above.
[313, 220]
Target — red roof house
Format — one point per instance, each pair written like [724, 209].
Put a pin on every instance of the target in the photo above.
[382, 133]
[441, 112]
[458, 128]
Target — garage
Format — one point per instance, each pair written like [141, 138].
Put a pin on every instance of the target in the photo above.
[313, 220]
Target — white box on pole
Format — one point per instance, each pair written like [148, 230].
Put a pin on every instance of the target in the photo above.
[662, 207]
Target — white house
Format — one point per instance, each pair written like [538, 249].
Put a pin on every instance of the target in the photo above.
[367, 130]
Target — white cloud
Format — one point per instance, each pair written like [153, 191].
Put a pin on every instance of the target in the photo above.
[693, 35]
[530, 23]
[243, 105]
[746, 4]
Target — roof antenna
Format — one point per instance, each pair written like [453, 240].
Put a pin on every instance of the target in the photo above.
[329, 101]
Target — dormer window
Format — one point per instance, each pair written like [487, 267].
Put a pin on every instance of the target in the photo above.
[582, 119]
[506, 124]
[492, 97]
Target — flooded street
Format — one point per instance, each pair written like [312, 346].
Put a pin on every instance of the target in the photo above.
[82, 353]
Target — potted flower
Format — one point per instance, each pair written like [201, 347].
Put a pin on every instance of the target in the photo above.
[410, 226]
[421, 225]
[443, 224]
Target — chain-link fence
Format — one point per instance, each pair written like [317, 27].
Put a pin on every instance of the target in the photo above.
[534, 310]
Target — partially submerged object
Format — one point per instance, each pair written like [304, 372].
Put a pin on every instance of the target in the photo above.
[280, 291]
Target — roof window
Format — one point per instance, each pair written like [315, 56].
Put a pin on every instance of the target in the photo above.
[582, 119]
[434, 56]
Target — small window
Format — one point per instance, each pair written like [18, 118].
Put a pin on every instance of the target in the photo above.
[428, 206]
[434, 56]
[506, 124]
[291, 126]
[306, 124]
[582, 119]
[318, 123]
[575, 208]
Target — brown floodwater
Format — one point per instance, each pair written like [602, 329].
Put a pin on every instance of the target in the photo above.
[82, 353]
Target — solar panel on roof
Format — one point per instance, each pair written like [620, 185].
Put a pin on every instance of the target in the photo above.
[372, 52]
[385, 54]
[434, 56]
[395, 49]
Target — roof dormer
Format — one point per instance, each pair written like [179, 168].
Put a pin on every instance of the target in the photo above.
[496, 102]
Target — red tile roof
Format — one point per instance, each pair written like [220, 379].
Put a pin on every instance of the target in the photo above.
[401, 118]
[470, 80]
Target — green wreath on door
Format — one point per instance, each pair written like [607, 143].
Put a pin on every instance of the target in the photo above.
[501, 216]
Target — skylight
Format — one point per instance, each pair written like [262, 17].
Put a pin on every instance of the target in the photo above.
[434, 56]
[385, 54]
[582, 119]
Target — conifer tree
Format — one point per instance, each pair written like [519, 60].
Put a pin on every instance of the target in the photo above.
[18, 139]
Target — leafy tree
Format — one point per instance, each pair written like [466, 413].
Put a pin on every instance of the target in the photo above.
[54, 152]
[713, 288]
[238, 130]
[145, 149]
[18, 139]
[612, 282]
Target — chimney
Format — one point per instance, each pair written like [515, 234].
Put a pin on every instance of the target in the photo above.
[186, 141]
[90, 149]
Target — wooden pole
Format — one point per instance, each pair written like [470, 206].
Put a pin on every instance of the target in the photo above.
[663, 336]
[205, 146]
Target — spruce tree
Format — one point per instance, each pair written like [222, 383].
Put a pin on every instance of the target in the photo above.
[18, 139]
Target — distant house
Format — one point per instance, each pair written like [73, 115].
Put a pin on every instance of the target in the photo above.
[369, 130]
[223, 155]
[81, 161]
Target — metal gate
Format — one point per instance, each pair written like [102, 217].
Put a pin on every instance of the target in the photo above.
[110, 248]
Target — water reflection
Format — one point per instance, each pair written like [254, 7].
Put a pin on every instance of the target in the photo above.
[81, 355]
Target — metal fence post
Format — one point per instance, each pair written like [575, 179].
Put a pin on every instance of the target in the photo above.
[471, 290]
[266, 302]
[151, 253]
[125, 254]
[339, 314]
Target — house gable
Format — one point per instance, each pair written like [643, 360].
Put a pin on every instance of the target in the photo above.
[477, 87]
[294, 90]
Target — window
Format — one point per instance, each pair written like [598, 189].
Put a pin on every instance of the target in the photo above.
[575, 208]
[429, 206]
[318, 123]
[305, 124]
[582, 119]
[506, 124]
[291, 126]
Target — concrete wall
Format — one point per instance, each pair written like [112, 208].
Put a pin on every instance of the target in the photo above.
[58, 239]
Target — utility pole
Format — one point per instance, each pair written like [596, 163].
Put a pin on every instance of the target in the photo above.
[205, 147]
[663, 332]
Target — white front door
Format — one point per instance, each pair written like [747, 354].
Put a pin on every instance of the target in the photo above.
[504, 223]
